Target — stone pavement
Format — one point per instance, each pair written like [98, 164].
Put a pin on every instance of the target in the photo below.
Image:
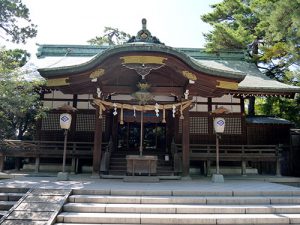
[239, 200]
[84, 181]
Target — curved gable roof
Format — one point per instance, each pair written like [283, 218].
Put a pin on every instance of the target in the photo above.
[89, 63]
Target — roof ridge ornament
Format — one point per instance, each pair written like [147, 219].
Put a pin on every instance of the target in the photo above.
[144, 35]
[144, 24]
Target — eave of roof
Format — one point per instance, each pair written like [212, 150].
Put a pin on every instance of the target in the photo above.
[62, 59]
[134, 47]
[267, 120]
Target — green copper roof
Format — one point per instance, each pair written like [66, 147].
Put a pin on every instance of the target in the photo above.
[90, 51]
[102, 53]
[56, 60]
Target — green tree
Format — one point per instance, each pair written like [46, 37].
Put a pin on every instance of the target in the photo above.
[111, 36]
[20, 104]
[284, 108]
[12, 59]
[15, 24]
[267, 29]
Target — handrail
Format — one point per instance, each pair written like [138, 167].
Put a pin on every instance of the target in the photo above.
[105, 157]
[46, 147]
[239, 151]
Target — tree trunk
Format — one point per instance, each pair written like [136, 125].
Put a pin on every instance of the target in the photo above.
[251, 106]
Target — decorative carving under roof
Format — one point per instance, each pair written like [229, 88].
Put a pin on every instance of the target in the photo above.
[144, 35]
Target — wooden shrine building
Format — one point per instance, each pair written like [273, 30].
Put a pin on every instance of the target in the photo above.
[164, 96]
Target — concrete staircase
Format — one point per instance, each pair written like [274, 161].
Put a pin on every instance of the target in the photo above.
[118, 163]
[9, 197]
[180, 207]
[36, 207]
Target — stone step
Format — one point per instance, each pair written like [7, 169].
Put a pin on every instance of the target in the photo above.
[13, 190]
[133, 218]
[94, 224]
[209, 200]
[182, 193]
[2, 212]
[6, 205]
[180, 209]
[10, 196]
[37, 207]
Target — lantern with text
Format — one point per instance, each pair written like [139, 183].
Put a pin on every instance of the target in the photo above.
[219, 127]
[65, 120]
[65, 123]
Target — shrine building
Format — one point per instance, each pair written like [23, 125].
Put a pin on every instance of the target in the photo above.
[145, 98]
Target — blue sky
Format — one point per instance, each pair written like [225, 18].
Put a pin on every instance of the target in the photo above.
[176, 23]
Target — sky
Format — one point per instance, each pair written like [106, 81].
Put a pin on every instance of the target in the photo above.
[176, 23]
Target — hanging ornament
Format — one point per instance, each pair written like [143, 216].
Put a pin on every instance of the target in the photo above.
[173, 110]
[181, 112]
[164, 115]
[134, 111]
[122, 116]
[186, 94]
[115, 109]
[100, 111]
[156, 109]
[99, 92]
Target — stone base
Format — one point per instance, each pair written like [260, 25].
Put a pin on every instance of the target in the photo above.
[141, 179]
[233, 170]
[47, 167]
[95, 176]
[217, 178]
[63, 176]
[186, 178]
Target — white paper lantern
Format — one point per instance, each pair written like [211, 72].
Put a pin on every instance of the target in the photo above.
[65, 120]
[219, 124]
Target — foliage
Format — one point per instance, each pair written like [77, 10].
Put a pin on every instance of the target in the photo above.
[268, 30]
[15, 24]
[111, 36]
[284, 108]
[12, 59]
[19, 98]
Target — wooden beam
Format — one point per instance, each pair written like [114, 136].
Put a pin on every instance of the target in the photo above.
[178, 91]
[117, 89]
[186, 143]
[97, 145]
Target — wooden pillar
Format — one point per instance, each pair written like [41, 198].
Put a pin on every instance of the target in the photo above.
[208, 163]
[73, 165]
[114, 131]
[244, 168]
[242, 104]
[278, 163]
[97, 144]
[278, 167]
[186, 143]
[2, 160]
[18, 163]
[37, 165]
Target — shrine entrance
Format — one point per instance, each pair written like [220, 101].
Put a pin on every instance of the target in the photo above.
[154, 137]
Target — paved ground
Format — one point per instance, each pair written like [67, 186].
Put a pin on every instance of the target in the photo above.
[84, 181]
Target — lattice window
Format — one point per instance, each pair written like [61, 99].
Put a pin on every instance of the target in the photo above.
[51, 122]
[86, 122]
[233, 125]
[198, 125]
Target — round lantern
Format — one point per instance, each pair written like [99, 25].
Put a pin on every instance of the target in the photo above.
[65, 121]
[219, 124]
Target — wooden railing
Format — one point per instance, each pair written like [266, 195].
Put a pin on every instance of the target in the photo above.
[46, 149]
[235, 153]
